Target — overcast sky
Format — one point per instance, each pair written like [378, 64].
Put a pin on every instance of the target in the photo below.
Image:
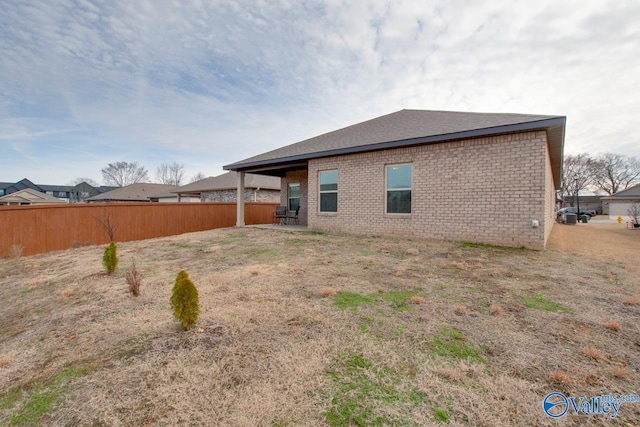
[207, 83]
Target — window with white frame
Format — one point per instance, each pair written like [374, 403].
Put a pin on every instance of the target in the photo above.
[328, 190]
[294, 196]
[398, 187]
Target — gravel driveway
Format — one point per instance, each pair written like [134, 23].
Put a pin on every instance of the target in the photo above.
[601, 239]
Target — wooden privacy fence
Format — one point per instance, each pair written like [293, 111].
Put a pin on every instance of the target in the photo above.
[39, 229]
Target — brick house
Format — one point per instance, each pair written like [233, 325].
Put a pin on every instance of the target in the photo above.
[479, 177]
[223, 188]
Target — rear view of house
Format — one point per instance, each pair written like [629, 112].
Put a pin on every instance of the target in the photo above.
[479, 177]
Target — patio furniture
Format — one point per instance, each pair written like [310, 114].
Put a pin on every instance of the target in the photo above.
[294, 215]
[280, 215]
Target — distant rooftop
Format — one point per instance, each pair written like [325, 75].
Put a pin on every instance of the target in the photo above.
[229, 181]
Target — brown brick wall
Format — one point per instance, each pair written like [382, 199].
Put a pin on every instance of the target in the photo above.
[480, 190]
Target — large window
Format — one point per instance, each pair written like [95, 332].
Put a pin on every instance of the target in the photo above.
[398, 179]
[294, 196]
[328, 191]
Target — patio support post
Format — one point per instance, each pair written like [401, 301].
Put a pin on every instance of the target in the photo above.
[240, 200]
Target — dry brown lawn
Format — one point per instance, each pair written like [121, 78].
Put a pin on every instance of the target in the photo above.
[306, 329]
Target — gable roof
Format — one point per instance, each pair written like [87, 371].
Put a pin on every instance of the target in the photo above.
[629, 193]
[23, 184]
[229, 181]
[406, 128]
[29, 196]
[140, 192]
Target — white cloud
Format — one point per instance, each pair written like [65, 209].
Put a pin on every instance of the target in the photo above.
[215, 82]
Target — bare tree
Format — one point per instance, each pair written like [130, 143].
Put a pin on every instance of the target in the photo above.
[108, 224]
[576, 176]
[615, 172]
[80, 180]
[634, 213]
[171, 174]
[197, 177]
[120, 174]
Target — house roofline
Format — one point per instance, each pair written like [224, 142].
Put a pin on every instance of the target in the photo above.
[300, 160]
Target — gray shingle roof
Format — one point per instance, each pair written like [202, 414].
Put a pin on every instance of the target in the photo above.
[229, 181]
[410, 127]
[629, 193]
[140, 192]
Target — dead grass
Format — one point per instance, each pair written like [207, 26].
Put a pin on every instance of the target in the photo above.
[270, 349]
[560, 377]
[495, 310]
[417, 299]
[461, 310]
[613, 325]
[621, 372]
[632, 300]
[592, 353]
[327, 292]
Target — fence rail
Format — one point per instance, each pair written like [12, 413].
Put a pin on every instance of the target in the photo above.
[39, 229]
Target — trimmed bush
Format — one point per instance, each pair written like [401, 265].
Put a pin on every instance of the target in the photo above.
[184, 301]
[110, 258]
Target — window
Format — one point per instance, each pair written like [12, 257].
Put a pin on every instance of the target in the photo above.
[50, 193]
[328, 191]
[294, 196]
[62, 194]
[398, 179]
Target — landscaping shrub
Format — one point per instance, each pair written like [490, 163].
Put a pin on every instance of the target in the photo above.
[184, 301]
[134, 279]
[110, 258]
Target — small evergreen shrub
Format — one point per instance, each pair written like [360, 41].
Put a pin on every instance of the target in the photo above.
[110, 258]
[184, 301]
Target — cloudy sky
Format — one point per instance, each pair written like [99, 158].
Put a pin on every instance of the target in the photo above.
[207, 83]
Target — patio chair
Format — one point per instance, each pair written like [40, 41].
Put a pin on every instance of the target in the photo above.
[294, 215]
[280, 215]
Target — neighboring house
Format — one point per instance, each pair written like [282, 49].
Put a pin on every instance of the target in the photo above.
[83, 191]
[28, 196]
[9, 188]
[67, 193]
[620, 202]
[224, 188]
[479, 177]
[62, 192]
[140, 192]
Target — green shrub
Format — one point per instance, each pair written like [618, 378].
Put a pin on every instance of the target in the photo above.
[110, 258]
[184, 301]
